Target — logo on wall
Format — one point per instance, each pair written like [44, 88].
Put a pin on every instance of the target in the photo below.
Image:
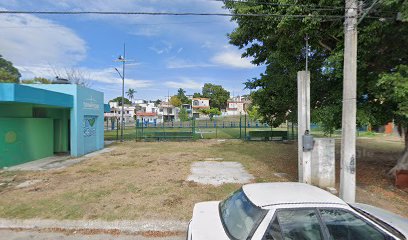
[91, 104]
[89, 126]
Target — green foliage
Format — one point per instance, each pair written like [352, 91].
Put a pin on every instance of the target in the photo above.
[394, 93]
[197, 95]
[175, 101]
[37, 80]
[217, 94]
[278, 42]
[253, 113]
[8, 73]
[119, 100]
[211, 112]
[181, 94]
[183, 115]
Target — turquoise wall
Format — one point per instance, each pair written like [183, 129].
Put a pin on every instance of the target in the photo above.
[25, 139]
[87, 108]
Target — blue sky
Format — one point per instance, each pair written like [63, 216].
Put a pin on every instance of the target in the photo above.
[168, 52]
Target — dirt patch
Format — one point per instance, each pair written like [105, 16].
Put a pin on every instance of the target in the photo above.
[218, 173]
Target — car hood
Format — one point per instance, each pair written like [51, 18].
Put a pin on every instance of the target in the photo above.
[394, 220]
[206, 223]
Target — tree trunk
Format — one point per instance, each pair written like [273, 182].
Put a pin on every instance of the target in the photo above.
[402, 163]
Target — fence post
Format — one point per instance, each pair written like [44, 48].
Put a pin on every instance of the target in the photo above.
[240, 126]
[216, 130]
[117, 129]
[245, 128]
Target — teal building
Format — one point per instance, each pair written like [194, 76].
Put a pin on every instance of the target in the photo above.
[40, 120]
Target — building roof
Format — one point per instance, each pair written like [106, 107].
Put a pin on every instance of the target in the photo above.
[11, 92]
[146, 114]
[268, 194]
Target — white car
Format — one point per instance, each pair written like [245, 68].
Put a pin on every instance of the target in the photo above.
[295, 211]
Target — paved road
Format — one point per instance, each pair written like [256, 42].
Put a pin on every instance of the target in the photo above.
[23, 235]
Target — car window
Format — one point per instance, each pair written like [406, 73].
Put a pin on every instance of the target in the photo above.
[343, 225]
[295, 224]
[273, 231]
[239, 216]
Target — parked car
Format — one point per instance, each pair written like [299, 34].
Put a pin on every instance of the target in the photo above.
[291, 211]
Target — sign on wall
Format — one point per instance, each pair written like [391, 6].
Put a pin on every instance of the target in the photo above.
[89, 125]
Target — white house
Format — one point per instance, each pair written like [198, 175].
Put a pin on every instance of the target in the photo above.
[198, 104]
[116, 112]
[167, 112]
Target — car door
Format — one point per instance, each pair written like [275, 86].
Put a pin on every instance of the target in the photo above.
[295, 224]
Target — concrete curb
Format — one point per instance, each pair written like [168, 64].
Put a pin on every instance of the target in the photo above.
[123, 226]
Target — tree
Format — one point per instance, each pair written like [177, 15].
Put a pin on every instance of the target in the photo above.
[394, 94]
[278, 42]
[74, 76]
[8, 73]
[119, 100]
[157, 102]
[175, 101]
[197, 95]
[211, 112]
[253, 113]
[183, 115]
[217, 94]
[130, 93]
[37, 80]
[181, 94]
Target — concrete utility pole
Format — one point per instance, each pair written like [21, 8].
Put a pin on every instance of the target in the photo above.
[304, 157]
[348, 141]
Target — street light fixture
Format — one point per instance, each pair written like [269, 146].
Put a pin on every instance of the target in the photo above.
[122, 58]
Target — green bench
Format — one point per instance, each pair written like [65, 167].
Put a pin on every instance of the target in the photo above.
[268, 135]
[167, 135]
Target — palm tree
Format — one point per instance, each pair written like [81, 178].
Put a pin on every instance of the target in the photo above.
[130, 93]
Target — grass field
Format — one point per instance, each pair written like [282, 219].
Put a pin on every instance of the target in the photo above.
[147, 180]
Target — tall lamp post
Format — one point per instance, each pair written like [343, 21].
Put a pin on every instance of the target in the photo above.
[122, 58]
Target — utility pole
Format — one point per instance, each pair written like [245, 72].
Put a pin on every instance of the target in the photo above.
[348, 140]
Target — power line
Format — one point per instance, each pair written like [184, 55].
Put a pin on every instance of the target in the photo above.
[177, 14]
[316, 7]
[167, 14]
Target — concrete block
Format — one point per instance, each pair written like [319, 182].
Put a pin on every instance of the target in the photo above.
[323, 163]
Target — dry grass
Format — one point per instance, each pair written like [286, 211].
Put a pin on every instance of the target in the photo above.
[140, 180]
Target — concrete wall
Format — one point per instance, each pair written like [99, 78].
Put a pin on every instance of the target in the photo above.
[323, 163]
[25, 139]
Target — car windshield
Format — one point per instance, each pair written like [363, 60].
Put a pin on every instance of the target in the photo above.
[239, 216]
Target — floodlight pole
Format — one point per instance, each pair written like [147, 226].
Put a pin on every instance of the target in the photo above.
[123, 60]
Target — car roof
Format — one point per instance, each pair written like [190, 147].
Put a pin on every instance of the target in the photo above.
[281, 193]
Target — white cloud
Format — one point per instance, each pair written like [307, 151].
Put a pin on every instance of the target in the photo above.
[180, 63]
[107, 76]
[232, 58]
[24, 43]
[184, 83]
[162, 47]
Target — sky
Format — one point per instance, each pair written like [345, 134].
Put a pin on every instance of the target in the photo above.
[164, 52]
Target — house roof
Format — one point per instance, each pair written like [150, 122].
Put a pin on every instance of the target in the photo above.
[146, 114]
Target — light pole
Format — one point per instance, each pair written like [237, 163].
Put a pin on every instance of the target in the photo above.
[122, 59]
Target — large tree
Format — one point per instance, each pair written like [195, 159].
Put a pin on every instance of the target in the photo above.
[119, 100]
[278, 42]
[131, 94]
[8, 73]
[217, 94]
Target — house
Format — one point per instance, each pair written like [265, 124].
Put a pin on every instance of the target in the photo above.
[236, 106]
[148, 118]
[39, 120]
[167, 112]
[116, 112]
[198, 104]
